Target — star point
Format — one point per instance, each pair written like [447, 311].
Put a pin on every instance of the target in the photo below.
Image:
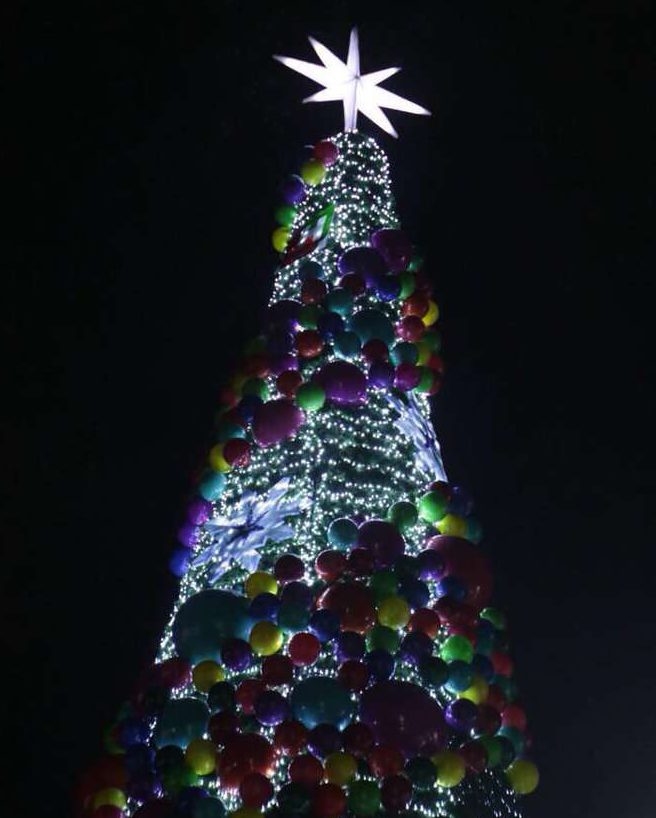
[342, 81]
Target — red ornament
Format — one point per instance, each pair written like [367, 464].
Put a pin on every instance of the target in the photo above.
[502, 663]
[453, 613]
[411, 328]
[328, 801]
[416, 304]
[385, 760]
[425, 620]
[313, 291]
[354, 283]
[255, 366]
[172, 673]
[255, 790]
[488, 720]
[288, 568]
[474, 755]
[358, 739]
[395, 793]
[330, 565]
[288, 382]
[247, 693]
[306, 770]
[309, 343]
[290, 737]
[436, 364]
[326, 152]
[277, 670]
[353, 674]
[236, 452]
[353, 603]
[467, 562]
[108, 771]
[228, 397]
[222, 726]
[514, 716]
[496, 698]
[360, 562]
[243, 754]
[375, 350]
[304, 648]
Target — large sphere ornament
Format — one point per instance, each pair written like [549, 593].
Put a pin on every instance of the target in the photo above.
[406, 376]
[328, 801]
[330, 564]
[309, 343]
[200, 755]
[403, 715]
[344, 383]
[293, 190]
[450, 768]
[290, 737]
[182, 721]
[340, 301]
[383, 540]
[288, 568]
[271, 708]
[394, 246]
[265, 638]
[276, 420]
[277, 670]
[324, 739]
[205, 620]
[523, 776]
[326, 152]
[212, 485]
[288, 382]
[342, 533]
[369, 324]
[256, 790]
[244, 753]
[306, 770]
[365, 261]
[321, 700]
[466, 562]
[353, 603]
[422, 772]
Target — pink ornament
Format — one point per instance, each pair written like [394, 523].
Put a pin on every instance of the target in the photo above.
[276, 420]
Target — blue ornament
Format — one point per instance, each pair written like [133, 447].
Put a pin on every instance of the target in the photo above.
[339, 300]
[321, 700]
[264, 606]
[182, 721]
[460, 676]
[179, 561]
[451, 587]
[414, 591]
[346, 345]
[324, 624]
[381, 664]
[330, 324]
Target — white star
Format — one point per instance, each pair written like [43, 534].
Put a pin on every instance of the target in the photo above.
[358, 92]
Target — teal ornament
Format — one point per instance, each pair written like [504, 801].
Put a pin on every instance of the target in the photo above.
[205, 621]
[460, 676]
[346, 345]
[342, 533]
[339, 300]
[212, 485]
[321, 700]
[208, 808]
[182, 721]
[404, 353]
[370, 324]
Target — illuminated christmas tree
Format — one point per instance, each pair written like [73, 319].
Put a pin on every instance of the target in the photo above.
[332, 650]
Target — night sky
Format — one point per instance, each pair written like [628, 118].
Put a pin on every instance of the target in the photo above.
[149, 141]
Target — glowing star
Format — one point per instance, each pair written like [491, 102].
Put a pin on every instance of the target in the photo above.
[358, 92]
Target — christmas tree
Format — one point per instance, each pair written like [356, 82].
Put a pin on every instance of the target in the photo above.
[332, 650]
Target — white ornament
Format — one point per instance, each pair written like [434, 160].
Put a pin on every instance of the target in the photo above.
[358, 92]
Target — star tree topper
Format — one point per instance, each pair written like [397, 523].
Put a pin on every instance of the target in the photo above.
[358, 92]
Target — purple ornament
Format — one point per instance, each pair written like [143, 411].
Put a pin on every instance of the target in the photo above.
[462, 715]
[236, 654]
[293, 190]
[144, 786]
[415, 646]
[349, 645]
[271, 708]
[394, 247]
[406, 377]
[431, 564]
[387, 287]
[282, 363]
[276, 420]
[402, 715]
[383, 540]
[284, 314]
[132, 731]
[344, 384]
[381, 374]
[365, 261]
[247, 407]
[324, 739]
[280, 342]
[264, 606]
[199, 511]
[188, 535]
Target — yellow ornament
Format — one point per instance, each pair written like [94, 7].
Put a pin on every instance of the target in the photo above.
[523, 776]
[450, 768]
[432, 315]
[424, 350]
[205, 674]
[260, 582]
[393, 612]
[217, 461]
[312, 172]
[265, 638]
[279, 239]
[477, 691]
[110, 797]
[200, 756]
[340, 768]
[451, 525]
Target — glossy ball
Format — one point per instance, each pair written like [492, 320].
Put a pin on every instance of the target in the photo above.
[523, 776]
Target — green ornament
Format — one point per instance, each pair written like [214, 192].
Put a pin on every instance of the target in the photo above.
[380, 637]
[383, 583]
[495, 616]
[422, 773]
[310, 396]
[460, 677]
[284, 215]
[403, 514]
[426, 380]
[457, 648]
[294, 799]
[416, 263]
[292, 617]
[178, 778]
[308, 316]
[432, 506]
[516, 738]
[342, 533]
[404, 352]
[432, 339]
[364, 798]
[407, 281]
[493, 749]
[257, 387]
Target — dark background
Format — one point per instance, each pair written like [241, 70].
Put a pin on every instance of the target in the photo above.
[148, 142]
